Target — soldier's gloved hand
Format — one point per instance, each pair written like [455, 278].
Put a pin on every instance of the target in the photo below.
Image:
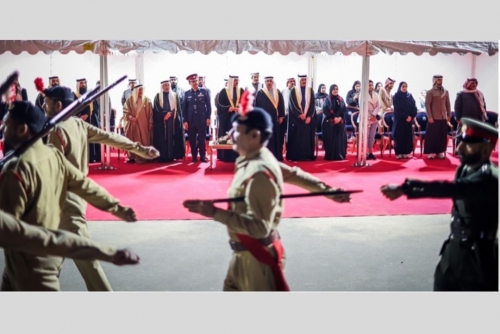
[344, 198]
[125, 257]
[125, 213]
[204, 208]
[152, 152]
[392, 191]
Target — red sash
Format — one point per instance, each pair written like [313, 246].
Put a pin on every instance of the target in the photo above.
[262, 254]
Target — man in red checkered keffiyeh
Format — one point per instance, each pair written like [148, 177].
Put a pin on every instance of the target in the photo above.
[470, 102]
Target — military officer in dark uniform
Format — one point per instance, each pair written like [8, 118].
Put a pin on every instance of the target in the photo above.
[196, 111]
[469, 258]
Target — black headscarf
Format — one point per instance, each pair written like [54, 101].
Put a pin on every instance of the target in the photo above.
[357, 82]
[320, 95]
[336, 99]
[399, 94]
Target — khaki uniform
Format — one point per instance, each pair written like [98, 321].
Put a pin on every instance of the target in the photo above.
[33, 188]
[259, 178]
[71, 137]
[16, 235]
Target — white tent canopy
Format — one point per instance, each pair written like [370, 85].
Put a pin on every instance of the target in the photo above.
[284, 47]
[364, 48]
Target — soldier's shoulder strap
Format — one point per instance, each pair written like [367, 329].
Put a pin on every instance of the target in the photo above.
[490, 169]
[260, 168]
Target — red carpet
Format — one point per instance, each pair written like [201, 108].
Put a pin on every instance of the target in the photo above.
[156, 191]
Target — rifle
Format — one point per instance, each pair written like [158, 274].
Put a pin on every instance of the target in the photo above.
[75, 107]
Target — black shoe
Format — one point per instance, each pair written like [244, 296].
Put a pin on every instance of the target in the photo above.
[370, 156]
[203, 159]
[131, 161]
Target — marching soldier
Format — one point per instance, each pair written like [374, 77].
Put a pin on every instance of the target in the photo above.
[71, 137]
[32, 188]
[16, 235]
[258, 258]
[469, 258]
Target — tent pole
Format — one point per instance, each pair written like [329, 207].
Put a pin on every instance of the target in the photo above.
[139, 68]
[104, 112]
[473, 67]
[363, 115]
[312, 69]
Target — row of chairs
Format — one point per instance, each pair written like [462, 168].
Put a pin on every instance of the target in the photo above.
[383, 137]
[384, 134]
[208, 138]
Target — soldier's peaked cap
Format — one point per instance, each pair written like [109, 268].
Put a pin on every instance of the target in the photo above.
[474, 131]
[29, 114]
[59, 93]
[257, 118]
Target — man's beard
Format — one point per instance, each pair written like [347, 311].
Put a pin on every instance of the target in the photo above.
[83, 90]
[13, 143]
[173, 85]
[470, 159]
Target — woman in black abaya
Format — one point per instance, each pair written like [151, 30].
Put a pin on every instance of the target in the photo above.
[405, 111]
[319, 100]
[334, 134]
